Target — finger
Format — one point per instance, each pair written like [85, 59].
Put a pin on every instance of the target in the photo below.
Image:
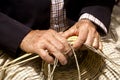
[59, 42]
[95, 43]
[60, 33]
[45, 56]
[100, 44]
[63, 42]
[70, 32]
[56, 42]
[81, 38]
[90, 38]
[55, 52]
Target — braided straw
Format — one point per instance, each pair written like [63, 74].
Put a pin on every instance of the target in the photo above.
[91, 64]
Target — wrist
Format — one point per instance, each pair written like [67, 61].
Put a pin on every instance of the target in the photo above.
[27, 40]
[88, 23]
[95, 21]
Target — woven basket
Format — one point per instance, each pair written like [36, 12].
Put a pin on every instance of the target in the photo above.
[92, 66]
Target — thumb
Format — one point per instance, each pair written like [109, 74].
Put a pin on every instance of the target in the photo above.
[68, 33]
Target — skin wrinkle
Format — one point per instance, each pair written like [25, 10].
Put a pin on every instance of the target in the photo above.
[84, 29]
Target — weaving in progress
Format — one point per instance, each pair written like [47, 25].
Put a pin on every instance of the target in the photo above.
[87, 63]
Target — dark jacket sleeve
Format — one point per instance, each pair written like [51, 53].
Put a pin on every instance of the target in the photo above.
[101, 9]
[11, 33]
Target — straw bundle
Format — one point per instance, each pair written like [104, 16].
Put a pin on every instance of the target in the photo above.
[93, 64]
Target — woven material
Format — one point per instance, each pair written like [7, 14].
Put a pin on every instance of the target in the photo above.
[92, 66]
[27, 71]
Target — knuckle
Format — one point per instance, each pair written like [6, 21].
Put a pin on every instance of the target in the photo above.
[82, 40]
[40, 44]
[51, 30]
[61, 47]
[64, 41]
[53, 50]
[44, 36]
[44, 56]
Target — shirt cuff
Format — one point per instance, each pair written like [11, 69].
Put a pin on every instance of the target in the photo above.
[93, 19]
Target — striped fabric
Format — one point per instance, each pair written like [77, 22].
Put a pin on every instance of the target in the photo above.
[58, 15]
[93, 19]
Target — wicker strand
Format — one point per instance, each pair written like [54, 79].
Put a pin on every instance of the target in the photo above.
[50, 73]
[14, 64]
[78, 68]
[22, 60]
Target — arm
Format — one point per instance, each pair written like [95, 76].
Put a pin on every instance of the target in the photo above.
[14, 35]
[11, 33]
[85, 28]
[100, 9]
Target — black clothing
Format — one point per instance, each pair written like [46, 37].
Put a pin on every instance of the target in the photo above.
[18, 17]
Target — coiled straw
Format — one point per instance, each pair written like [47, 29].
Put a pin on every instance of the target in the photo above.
[29, 56]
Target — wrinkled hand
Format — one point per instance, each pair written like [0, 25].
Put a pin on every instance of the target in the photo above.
[46, 43]
[86, 32]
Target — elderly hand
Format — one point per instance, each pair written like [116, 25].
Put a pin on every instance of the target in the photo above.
[86, 32]
[46, 43]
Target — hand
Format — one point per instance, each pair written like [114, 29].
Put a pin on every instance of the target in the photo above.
[46, 43]
[86, 32]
